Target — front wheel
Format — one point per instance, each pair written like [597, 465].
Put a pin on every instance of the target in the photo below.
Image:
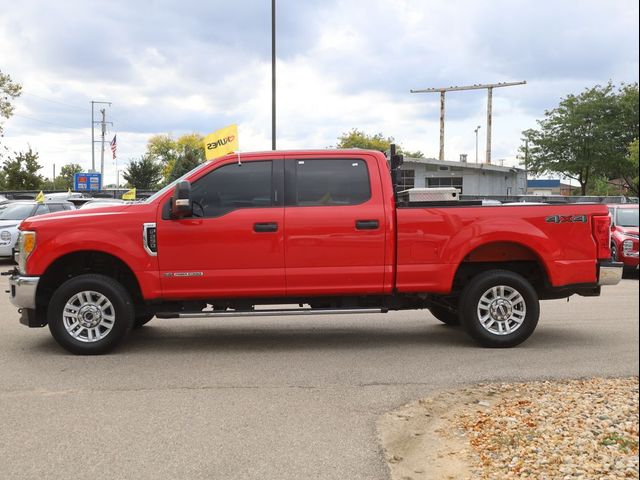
[499, 309]
[614, 252]
[90, 314]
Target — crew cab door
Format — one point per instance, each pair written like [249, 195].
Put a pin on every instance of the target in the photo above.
[334, 226]
[232, 246]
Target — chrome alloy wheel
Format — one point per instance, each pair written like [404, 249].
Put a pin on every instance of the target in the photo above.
[88, 316]
[501, 310]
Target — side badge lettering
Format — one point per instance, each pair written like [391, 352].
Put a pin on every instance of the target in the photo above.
[566, 219]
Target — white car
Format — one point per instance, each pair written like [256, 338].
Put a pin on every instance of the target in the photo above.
[13, 212]
[102, 202]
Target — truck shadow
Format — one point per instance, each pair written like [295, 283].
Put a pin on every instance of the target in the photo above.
[276, 339]
[162, 338]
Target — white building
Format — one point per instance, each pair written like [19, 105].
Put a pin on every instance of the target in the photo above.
[469, 178]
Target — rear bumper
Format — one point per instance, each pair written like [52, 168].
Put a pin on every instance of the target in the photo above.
[609, 273]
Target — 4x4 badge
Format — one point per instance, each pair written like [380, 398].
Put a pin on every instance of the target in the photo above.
[567, 219]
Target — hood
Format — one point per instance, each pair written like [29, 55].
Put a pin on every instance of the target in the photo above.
[9, 223]
[627, 230]
[90, 216]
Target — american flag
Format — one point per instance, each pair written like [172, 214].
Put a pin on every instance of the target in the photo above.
[113, 147]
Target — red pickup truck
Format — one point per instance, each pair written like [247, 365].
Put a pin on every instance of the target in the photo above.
[319, 230]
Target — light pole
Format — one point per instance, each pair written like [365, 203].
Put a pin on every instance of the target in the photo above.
[273, 74]
[476, 132]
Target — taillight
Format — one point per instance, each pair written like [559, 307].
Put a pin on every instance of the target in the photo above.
[602, 235]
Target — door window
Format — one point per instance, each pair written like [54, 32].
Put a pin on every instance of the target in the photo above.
[231, 187]
[330, 182]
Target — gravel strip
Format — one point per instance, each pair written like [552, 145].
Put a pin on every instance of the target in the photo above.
[578, 429]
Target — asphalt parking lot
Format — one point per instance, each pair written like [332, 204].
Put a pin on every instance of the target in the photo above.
[268, 398]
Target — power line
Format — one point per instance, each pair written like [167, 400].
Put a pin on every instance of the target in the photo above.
[43, 121]
[54, 101]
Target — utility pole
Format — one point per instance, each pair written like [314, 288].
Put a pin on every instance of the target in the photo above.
[104, 130]
[476, 132]
[489, 87]
[93, 141]
[54, 176]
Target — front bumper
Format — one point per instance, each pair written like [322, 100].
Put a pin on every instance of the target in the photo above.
[609, 273]
[630, 259]
[23, 291]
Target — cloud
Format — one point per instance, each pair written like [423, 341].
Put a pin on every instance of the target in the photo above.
[186, 66]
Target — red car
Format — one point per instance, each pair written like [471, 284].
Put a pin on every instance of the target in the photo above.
[624, 234]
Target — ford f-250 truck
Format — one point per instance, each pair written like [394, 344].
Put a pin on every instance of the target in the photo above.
[320, 230]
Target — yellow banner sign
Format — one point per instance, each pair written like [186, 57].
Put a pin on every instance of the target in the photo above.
[221, 142]
[129, 195]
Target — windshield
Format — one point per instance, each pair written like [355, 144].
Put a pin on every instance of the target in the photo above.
[15, 211]
[165, 189]
[627, 217]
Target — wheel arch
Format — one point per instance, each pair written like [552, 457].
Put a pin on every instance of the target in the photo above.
[504, 255]
[81, 262]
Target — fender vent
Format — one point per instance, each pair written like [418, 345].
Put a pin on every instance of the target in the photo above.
[149, 238]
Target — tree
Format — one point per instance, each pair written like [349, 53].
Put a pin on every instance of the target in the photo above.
[21, 173]
[630, 173]
[9, 91]
[67, 173]
[358, 139]
[189, 159]
[585, 138]
[166, 150]
[144, 174]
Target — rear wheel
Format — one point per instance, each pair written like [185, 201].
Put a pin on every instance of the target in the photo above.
[445, 315]
[90, 314]
[499, 308]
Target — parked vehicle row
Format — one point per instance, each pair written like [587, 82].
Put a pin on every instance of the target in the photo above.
[14, 212]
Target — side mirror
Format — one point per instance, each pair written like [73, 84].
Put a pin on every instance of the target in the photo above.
[181, 200]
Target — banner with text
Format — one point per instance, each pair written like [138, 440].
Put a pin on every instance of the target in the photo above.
[221, 142]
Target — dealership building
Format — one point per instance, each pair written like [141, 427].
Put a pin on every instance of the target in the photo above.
[468, 178]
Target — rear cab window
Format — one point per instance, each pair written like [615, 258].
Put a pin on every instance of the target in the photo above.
[327, 182]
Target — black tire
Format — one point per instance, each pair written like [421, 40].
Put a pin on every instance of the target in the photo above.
[614, 252]
[445, 315]
[524, 310]
[142, 320]
[119, 307]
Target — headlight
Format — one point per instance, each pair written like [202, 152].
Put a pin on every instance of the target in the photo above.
[5, 235]
[627, 246]
[24, 246]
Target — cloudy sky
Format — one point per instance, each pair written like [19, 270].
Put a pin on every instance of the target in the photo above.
[195, 66]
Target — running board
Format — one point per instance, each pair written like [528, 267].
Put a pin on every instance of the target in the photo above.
[265, 313]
